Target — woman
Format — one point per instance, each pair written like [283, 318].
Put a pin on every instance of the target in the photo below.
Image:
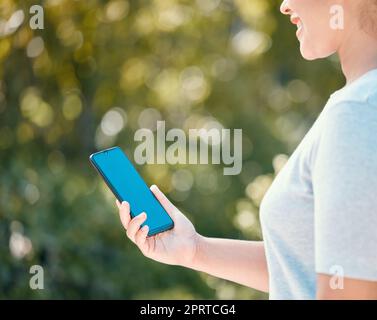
[319, 217]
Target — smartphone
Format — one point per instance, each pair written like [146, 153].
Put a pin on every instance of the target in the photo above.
[127, 185]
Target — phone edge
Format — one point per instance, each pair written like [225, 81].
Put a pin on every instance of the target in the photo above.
[109, 185]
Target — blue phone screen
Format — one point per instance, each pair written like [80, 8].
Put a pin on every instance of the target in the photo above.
[127, 185]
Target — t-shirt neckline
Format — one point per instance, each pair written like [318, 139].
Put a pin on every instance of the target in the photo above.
[355, 82]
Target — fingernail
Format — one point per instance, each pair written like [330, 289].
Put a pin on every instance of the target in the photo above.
[145, 228]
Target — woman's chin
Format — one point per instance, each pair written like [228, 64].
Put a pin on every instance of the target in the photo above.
[309, 53]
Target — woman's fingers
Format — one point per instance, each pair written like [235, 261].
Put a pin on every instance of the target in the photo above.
[134, 232]
[134, 225]
[168, 206]
[124, 213]
[141, 237]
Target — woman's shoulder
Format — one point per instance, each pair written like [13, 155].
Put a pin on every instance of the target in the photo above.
[352, 120]
[352, 113]
[347, 142]
[350, 127]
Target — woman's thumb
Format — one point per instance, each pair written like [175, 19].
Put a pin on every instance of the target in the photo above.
[165, 202]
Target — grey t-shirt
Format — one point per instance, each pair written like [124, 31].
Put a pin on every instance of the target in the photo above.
[320, 213]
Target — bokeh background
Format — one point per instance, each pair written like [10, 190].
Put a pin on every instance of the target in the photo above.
[97, 72]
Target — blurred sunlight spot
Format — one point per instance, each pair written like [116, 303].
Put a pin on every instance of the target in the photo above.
[172, 17]
[291, 128]
[244, 204]
[193, 84]
[144, 21]
[298, 91]
[35, 109]
[31, 193]
[208, 6]
[65, 29]
[53, 2]
[113, 121]
[166, 85]
[158, 173]
[10, 26]
[42, 115]
[279, 162]
[68, 34]
[225, 291]
[244, 219]
[133, 74]
[278, 99]
[254, 10]
[103, 140]
[256, 189]
[16, 19]
[247, 42]
[116, 10]
[182, 180]
[148, 118]
[72, 107]
[19, 245]
[35, 47]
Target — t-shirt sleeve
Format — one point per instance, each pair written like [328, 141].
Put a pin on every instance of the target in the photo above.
[345, 192]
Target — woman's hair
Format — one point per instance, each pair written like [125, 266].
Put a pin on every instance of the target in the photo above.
[368, 16]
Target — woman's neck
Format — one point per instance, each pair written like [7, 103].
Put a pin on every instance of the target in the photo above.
[358, 55]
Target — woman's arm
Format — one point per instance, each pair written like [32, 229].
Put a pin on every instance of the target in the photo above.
[335, 287]
[240, 261]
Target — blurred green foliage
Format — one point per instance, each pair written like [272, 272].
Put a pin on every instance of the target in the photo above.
[97, 72]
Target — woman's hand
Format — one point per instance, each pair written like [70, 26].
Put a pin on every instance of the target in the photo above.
[176, 246]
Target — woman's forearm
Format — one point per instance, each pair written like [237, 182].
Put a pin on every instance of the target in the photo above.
[240, 261]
